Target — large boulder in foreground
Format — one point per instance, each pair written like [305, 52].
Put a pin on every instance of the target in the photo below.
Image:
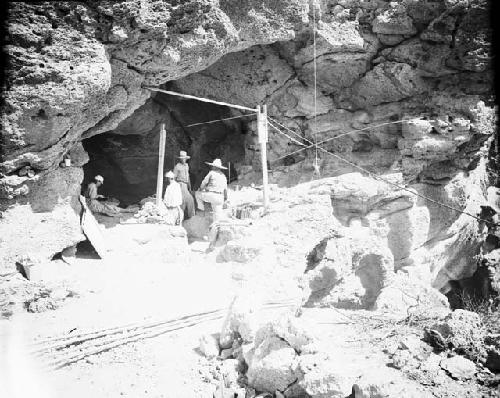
[273, 359]
[348, 271]
[46, 222]
[390, 383]
[461, 331]
[407, 296]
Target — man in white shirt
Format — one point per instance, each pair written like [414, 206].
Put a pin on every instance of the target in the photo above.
[173, 200]
[213, 189]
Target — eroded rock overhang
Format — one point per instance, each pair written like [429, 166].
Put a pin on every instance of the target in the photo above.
[78, 70]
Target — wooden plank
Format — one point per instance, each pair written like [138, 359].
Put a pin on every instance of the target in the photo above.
[262, 133]
[161, 160]
[92, 231]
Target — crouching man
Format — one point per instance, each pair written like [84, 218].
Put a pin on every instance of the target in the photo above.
[95, 205]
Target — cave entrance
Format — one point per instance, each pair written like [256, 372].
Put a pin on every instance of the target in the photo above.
[127, 157]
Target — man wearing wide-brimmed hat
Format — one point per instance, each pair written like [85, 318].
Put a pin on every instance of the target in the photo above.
[173, 200]
[181, 172]
[213, 189]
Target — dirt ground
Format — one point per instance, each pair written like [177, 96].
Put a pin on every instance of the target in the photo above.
[133, 327]
[119, 292]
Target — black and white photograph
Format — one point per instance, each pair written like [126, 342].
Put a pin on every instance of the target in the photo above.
[249, 199]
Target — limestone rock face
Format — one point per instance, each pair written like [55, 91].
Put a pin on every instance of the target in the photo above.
[431, 242]
[45, 225]
[390, 81]
[348, 272]
[80, 70]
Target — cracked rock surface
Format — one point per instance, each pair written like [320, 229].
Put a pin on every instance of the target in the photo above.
[79, 70]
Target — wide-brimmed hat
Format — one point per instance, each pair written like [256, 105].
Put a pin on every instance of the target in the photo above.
[99, 178]
[183, 155]
[217, 163]
[170, 174]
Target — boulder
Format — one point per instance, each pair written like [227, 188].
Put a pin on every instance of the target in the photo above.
[461, 331]
[492, 261]
[348, 271]
[291, 330]
[387, 383]
[342, 55]
[388, 82]
[209, 346]
[393, 21]
[44, 223]
[273, 358]
[406, 296]
[241, 321]
[493, 358]
[241, 251]
[324, 377]
[273, 365]
[459, 367]
[43, 304]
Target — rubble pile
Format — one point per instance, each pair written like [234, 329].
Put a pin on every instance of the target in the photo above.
[150, 213]
[18, 294]
[465, 333]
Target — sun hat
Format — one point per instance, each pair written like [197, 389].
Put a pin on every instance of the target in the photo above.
[183, 155]
[99, 178]
[170, 174]
[217, 163]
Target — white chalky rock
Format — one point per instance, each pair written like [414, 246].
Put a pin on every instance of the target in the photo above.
[209, 346]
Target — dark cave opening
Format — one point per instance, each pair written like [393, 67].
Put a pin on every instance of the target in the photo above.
[127, 157]
[474, 293]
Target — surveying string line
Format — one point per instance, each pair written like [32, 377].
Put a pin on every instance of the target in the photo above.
[286, 135]
[289, 129]
[244, 108]
[220, 120]
[341, 135]
[370, 127]
[377, 177]
[315, 90]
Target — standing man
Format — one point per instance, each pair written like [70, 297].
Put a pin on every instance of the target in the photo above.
[181, 172]
[173, 200]
[213, 189]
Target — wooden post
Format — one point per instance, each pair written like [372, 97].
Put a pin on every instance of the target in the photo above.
[161, 159]
[262, 132]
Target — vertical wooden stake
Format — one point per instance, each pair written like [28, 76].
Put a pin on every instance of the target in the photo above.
[161, 159]
[262, 132]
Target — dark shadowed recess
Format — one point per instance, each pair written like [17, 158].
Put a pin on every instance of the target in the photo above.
[127, 157]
